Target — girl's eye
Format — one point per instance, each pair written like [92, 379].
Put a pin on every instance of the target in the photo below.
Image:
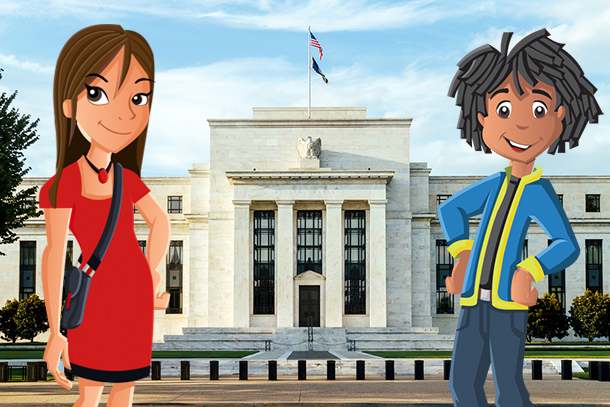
[96, 95]
[539, 109]
[140, 99]
[503, 109]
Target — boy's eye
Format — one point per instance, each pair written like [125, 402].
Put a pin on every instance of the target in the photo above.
[96, 95]
[140, 99]
[539, 109]
[503, 109]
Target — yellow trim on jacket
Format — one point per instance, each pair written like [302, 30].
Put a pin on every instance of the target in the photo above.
[496, 301]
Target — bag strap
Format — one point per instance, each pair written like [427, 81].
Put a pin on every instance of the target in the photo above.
[113, 216]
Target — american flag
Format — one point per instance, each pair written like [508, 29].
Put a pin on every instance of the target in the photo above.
[315, 43]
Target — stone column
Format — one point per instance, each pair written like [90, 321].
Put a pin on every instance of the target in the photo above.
[284, 267]
[241, 270]
[377, 275]
[334, 259]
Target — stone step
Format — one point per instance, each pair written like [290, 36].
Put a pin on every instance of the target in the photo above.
[296, 339]
[219, 337]
[392, 330]
[231, 331]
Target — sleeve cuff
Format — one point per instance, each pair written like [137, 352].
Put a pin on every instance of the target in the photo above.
[532, 265]
[459, 246]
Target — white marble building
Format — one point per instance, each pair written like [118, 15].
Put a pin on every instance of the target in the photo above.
[263, 237]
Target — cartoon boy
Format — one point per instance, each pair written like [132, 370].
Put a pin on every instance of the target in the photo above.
[518, 105]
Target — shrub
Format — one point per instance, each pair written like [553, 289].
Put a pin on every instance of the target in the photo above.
[8, 326]
[590, 315]
[546, 319]
[31, 317]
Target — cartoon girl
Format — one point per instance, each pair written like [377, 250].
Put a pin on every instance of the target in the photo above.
[102, 95]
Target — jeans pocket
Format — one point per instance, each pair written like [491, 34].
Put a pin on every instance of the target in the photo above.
[518, 322]
[464, 319]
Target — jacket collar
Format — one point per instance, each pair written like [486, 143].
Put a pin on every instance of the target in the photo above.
[534, 176]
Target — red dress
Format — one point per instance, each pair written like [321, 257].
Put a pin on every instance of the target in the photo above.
[114, 341]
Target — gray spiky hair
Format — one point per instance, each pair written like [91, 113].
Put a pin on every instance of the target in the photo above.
[536, 58]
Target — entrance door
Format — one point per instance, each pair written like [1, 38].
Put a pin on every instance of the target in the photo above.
[309, 304]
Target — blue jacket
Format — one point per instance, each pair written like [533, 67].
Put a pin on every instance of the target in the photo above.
[535, 199]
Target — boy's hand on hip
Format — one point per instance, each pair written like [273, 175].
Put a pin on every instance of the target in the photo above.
[522, 291]
[456, 281]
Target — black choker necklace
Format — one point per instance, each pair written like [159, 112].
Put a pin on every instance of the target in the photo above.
[102, 174]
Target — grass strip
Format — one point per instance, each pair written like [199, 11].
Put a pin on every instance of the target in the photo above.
[554, 353]
[38, 354]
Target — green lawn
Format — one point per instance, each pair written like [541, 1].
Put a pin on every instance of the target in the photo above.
[545, 352]
[37, 354]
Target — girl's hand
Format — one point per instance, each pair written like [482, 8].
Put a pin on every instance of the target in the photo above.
[57, 345]
[161, 300]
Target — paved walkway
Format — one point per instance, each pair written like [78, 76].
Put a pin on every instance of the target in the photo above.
[288, 391]
[315, 391]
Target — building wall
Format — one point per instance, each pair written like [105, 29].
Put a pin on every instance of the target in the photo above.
[255, 165]
[268, 142]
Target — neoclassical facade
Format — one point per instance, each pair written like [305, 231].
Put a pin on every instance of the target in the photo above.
[282, 230]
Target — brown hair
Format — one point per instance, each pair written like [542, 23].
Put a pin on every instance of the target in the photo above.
[89, 51]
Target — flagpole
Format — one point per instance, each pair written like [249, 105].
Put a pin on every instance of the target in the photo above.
[309, 69]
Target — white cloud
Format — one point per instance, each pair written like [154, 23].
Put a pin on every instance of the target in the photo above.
[325, 15]
[12, 62]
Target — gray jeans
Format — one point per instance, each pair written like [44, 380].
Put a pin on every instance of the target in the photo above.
[486, 334]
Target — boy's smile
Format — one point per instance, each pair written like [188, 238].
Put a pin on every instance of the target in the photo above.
[521, 127]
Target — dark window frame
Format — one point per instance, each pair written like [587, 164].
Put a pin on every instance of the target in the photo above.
[27, 268]
[174, 263]
[594, 264]
[444, 267]
[263, 294]
[592, 203]
[309, 241]
[355, 262]
[142, 244]
[174, 204]
[440, 198]
[557, 285]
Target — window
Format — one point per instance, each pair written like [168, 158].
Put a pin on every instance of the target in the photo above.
[174, 277]
[524, 251]
[264, 262]
[557, 286]
[560, 196]
[174, 204]
[592, 203]
[27, 269]
[142, 244]
[594, 265]
[441, 198]
[444, 266]
[69, 255]
[309, 241]
[135, 210]
[355, 262]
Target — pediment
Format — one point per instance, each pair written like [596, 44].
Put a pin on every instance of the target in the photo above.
[309, 275]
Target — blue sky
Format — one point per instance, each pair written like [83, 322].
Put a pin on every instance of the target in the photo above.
[217, 59]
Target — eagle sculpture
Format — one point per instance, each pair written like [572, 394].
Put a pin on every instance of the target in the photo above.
[308, 148]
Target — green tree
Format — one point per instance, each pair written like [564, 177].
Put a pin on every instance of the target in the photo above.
[546, 319]
[8, 326]
[590, 315]
[16, 134]
[31, 317]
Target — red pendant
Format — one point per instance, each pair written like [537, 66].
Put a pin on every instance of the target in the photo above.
[102, 176]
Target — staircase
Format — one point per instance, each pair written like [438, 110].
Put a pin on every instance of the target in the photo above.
[295, 339]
